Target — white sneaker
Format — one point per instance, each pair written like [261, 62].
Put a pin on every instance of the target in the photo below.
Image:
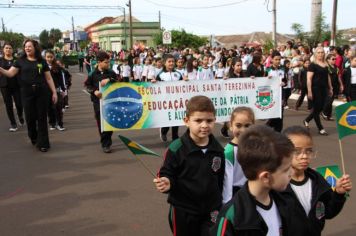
[13, 129]
[286, 107]
[52, 127]
[60, 128]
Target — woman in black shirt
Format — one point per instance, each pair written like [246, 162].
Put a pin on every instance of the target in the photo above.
[319, 88]
[35, 79]
[10, 89]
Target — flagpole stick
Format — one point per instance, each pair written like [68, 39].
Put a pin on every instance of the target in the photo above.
[146, 167]
[342, 158]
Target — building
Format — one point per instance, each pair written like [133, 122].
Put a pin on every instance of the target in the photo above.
[67, 38]
[252, 39]
[113, 33]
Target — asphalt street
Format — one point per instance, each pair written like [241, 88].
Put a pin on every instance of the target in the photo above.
[76, 189]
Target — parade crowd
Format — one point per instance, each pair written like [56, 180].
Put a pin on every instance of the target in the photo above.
[261, 182]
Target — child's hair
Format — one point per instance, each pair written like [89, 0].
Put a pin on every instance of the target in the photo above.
[275, 53]
[190, 66]
[102, 56]
[199, 104]
[247, 110]
[297, 130]
[262, 149]
[233, 63]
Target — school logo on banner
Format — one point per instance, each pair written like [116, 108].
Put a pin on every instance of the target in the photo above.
[264, 98]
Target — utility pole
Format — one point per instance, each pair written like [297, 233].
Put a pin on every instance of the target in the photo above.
[131, 37]
[125, 33]
[333, 25]
[74, 44]
[159, 19]
[316, 8]
[3, 25]
[274, 12]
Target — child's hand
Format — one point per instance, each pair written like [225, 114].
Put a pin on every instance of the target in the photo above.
[343, 184]
[153, 81]
[252, 77]
[162, 184]
[97, 94]
[270, 76]
[104, 82]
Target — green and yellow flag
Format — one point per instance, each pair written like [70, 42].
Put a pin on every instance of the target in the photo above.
[330, 174]
[346, 119]
[136, 148]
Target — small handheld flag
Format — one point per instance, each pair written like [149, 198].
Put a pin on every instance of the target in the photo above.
[136, 148]
[346, 119]
[330, 174]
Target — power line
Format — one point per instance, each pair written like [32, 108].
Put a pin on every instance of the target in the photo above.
[35, 6]
[197, 8]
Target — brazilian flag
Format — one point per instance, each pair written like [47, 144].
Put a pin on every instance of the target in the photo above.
[136, 148]
[346, 119]
[330, 174]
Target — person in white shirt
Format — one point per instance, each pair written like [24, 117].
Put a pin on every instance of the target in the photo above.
[204, 72]
[137, 70]
[220, 73]
[125, 71]
[191, 71]
[147, 68]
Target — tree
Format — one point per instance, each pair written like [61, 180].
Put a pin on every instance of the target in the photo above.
[16, 39]
[54, 36]
[321, 33]
[299, 31]
[182, 39]
[49, 38]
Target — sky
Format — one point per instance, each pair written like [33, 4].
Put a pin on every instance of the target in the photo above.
[202, 17]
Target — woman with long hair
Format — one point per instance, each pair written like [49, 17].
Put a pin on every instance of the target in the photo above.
[319, 88]
[10, 89]
[35, 80]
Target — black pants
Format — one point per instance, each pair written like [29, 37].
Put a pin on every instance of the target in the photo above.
[353, 92]
[319, 96]
[183, 223]
[55, 112]
[164, 131]
[303, 93]
[9, 95]
[81, 61]
[105, 137]
[286, 92]
[35, 101]
[328, 106]
[276, 123]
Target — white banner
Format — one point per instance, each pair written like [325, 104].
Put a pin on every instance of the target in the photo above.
[151, 105]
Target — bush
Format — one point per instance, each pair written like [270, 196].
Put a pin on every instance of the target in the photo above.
[70, 60]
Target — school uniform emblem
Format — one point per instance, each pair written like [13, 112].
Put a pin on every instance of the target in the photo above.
[264, 98]
[320, 210]
[214, 216]
[216, 164]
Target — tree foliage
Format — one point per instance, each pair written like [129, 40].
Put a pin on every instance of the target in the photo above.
[48, 39]
[321, 32]
[182, 39]
[16, 39]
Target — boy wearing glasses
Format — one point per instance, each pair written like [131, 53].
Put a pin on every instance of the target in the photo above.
[311, 197]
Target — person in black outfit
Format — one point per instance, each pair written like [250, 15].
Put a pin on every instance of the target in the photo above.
[319, 87]
[193, 172]
[103, 75]
[255, 69]
[35, 82]
[87, 61]
[67, 78]
[303, 85]
[10, 89]
[337, 87]
[55, 112]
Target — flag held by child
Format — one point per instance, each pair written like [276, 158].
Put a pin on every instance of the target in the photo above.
[346, 119]
[136, 148]
[330, 174]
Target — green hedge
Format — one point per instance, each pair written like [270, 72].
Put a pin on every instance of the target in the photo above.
[70, 60]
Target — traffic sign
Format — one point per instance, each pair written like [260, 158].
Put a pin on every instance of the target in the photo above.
[167, 37]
